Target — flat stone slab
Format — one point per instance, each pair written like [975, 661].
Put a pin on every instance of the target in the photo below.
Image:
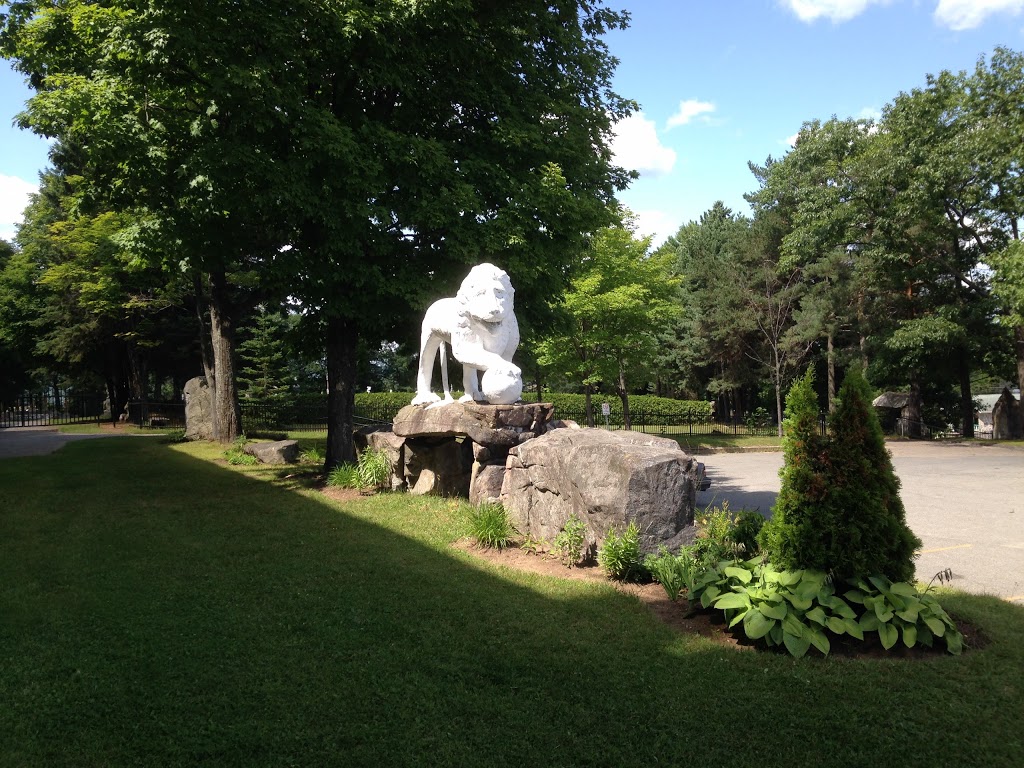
[278, 452]
[497, 426]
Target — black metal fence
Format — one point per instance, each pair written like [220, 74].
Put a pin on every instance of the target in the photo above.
[44, 409]
[653, 422]
[311, 416]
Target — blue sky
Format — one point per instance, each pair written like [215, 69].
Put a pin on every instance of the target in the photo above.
[719, 84]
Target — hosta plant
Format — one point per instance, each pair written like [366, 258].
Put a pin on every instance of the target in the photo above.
[802, 608]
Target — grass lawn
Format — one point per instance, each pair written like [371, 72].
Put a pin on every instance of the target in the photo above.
[158, 608]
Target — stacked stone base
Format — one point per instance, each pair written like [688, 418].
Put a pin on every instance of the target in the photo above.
[541, 474]
[456, 449]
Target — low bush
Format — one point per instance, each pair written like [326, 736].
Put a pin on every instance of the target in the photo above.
[490, 527]
[682, 410]
[344, 476]
[674, 572]
[237, 456]
[569, 542]
[619, 554]
[312, 456]
[373, 468]
[723, 534]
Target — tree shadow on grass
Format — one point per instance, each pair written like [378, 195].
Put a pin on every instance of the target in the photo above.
[190, 614]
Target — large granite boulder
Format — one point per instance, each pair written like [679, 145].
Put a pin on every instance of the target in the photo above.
[607, 479]
[198, 409]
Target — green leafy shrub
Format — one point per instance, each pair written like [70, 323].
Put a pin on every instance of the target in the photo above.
[373, 468]
[619, 554]
[490, 527]
[839, 508]
[674, 572]
[569, 542]
[344, 476]
[801, 608]
[746, 526]
[175, 436]
[683, 410]
[236, 454]
[312, 456]
[723, 534]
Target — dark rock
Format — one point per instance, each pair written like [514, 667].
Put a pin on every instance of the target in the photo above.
[279, 452]
[438, 467]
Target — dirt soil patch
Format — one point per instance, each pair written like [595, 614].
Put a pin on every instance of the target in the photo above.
[678, 616]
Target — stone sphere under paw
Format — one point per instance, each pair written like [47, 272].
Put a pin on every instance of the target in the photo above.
[501, 388]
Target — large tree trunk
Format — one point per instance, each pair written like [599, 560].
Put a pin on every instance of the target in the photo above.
[1018, 342]
[831, 364]
[227, 416]
[966, 400]
[912, 413]
[204, 331]
[589, 405]
[624, 397]
[342, 337]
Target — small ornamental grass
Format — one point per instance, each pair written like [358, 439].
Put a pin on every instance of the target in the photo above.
[620, 555]
[343, 476]
[370, 472]
[490, 527]
[373, 468]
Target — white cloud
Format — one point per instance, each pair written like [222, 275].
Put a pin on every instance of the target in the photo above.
[658, 224]
[870, 113]
[790, 141]
[968, 14]
[636, 146]
[836, 11]
[688, 110]
[14, 194]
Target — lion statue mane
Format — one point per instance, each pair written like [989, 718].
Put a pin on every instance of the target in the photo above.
[480, 326]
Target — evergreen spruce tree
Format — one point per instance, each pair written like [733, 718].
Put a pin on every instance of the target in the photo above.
[839, 508]
[264, 374]
[871, 535]
[791, 539]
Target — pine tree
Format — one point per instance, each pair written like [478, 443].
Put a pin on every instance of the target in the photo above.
[264, 363]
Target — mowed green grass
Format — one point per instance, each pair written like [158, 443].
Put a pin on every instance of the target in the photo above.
[158, 608]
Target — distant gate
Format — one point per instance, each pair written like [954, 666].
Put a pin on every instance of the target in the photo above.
[42, 409]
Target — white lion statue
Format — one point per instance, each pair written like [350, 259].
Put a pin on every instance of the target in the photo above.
[481, 328]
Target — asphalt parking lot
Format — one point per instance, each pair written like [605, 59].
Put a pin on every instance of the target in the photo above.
[965, 502]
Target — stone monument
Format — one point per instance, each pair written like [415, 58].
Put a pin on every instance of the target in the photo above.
[480, 325]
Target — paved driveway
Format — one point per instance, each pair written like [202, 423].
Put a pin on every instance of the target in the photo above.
[34, 441]
[965, 502]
